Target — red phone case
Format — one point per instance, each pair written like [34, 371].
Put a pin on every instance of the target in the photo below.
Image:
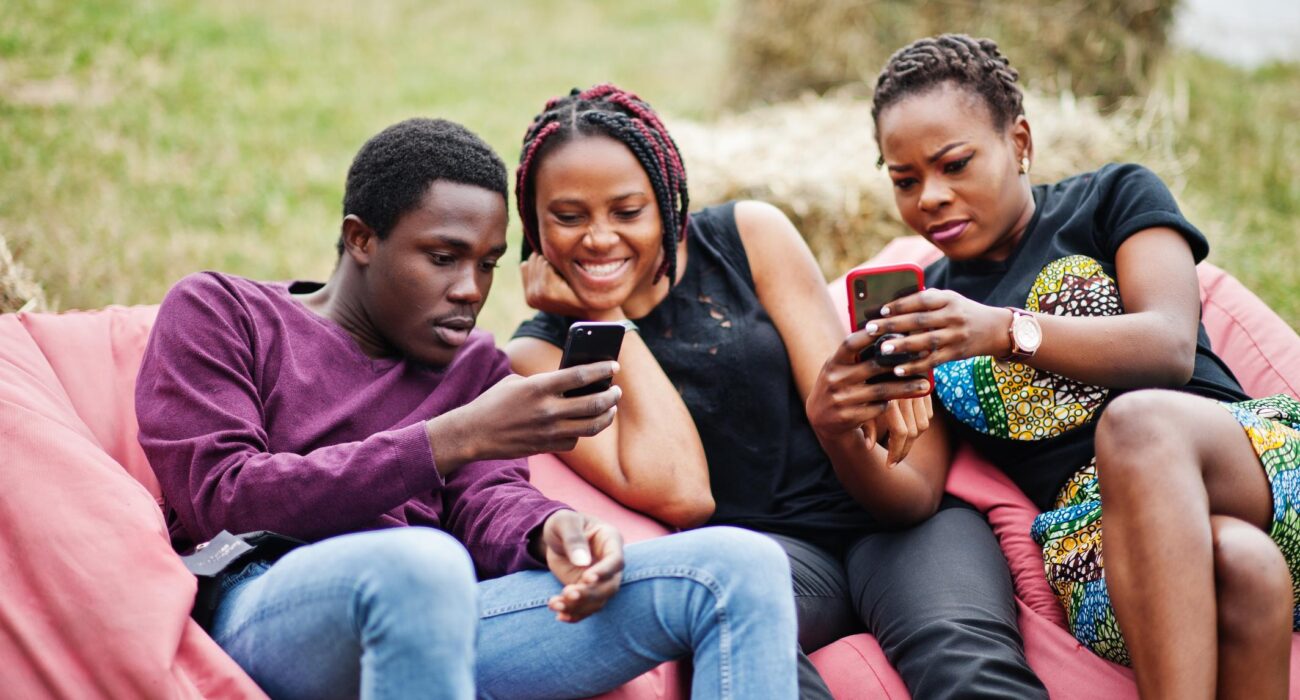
[862, 272]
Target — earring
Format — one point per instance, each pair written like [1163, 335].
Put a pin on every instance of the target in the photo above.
[1024, 165]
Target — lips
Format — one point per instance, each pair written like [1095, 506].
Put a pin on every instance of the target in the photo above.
[948, 230]
[602, 271]
[453, 330]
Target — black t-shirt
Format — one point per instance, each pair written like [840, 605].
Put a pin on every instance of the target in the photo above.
[718, 346]
[1038, 426]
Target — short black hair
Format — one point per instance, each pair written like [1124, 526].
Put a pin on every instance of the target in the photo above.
[973, 64]
[609, 111]
[394, 169]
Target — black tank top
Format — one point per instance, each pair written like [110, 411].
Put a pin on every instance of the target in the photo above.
[718, 346]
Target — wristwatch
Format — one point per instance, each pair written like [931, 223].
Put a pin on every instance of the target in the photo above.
[1026, 334]
[628, 326]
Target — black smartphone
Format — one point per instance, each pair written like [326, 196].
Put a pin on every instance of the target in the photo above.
[871, 288]
[591, 341]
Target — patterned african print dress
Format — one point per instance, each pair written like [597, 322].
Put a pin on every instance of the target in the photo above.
[1013, 401]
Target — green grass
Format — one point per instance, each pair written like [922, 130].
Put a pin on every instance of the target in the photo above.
[1240, 139]
[140, 141]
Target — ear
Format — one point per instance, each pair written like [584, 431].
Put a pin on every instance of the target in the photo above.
[359, 240]
[1022, 139]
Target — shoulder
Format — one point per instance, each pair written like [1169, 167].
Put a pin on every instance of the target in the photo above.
[767, 234]
[1112, 184]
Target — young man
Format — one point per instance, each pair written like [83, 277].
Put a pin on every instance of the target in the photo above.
[367, 417]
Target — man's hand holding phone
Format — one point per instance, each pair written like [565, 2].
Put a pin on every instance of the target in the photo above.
[521, 416]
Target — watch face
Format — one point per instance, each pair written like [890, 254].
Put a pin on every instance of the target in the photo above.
[1028, 334]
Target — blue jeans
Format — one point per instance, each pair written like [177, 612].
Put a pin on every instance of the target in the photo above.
[398, 614]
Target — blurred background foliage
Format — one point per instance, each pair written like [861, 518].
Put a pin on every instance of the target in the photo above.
[143, 140]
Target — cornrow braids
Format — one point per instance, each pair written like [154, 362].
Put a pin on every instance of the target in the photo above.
[974, 64]
[609, 111]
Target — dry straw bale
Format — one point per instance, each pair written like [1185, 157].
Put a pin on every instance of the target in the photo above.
[778, 49]
[815, 159]
[18, 289]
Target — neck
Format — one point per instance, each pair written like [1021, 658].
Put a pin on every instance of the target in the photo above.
[340, 301]
[1007, 243]
[648, 295]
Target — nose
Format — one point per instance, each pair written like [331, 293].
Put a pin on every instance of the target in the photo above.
[467, 288]
[599, 237]
[935, 194]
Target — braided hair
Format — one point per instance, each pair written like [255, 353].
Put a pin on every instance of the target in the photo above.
[973, 64]
[608, 111]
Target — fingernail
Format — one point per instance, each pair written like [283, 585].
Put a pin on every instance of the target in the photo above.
[871, 328]
[580, 558]
[899, 371]
[887, 348]
[884, 311]
[615, 368]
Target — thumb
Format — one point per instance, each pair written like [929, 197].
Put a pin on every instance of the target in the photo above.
[576, 549]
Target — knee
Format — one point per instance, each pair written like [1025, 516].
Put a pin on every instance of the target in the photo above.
[411, 566]
[1252, 582]
[1131, 423]
[1137, 432]
[743, 563]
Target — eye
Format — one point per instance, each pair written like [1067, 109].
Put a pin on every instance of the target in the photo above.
[442, 259]
[905, 184]
[489, 265]
[957, 166]
[629, 214]
[566, 219]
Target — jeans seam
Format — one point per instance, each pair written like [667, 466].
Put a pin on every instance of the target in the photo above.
[689, 573]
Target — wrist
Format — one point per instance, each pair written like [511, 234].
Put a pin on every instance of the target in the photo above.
[999, 334]
[451, 447]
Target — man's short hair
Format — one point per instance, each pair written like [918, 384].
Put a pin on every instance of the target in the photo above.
[394, 169]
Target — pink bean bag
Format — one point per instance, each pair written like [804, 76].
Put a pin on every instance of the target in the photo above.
[93, 603]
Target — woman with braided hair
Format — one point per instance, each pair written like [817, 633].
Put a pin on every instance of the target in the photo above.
[734, 326]
[1063, 328]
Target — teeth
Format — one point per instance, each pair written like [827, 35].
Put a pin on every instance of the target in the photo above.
[601, 268]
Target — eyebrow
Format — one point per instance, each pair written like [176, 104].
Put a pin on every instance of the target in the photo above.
[615, 198]
[463, 246]
[937, 155]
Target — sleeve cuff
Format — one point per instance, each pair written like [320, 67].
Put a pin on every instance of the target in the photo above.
[414, 456]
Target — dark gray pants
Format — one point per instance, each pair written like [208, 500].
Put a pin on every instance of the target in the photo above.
[937, 596]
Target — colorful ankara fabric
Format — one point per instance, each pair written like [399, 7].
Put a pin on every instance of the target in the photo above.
[1071, 535]
[1015, 401]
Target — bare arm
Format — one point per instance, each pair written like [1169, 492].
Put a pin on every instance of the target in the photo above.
[839, 402]
[1152, 344]
[650, 458]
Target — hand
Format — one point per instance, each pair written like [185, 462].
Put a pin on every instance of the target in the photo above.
[842, 401]
[586, 555]
[942, 326]
[521, 416]
[546, 290]
[904, 420]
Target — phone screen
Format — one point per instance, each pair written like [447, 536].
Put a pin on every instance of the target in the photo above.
[869, 290]
[591, 341]
[872, 291]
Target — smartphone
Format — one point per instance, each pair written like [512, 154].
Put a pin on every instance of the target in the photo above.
[591, 341]
[871, 288]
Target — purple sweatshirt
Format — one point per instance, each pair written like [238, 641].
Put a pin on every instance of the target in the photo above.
[258, 414]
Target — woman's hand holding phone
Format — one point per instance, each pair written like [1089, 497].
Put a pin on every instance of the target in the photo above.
[941, 326]
[843, 399]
